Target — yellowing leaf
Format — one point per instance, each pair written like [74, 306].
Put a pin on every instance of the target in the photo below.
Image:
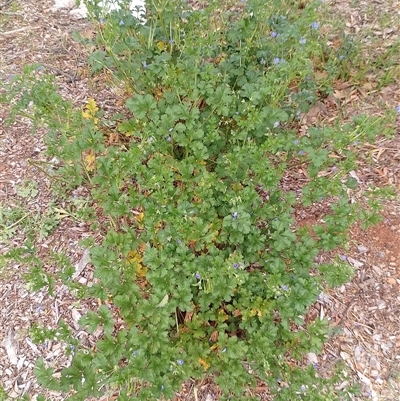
[255, 312]
[237, 187]
[141, 270]
[86, 114]
[222, 316]
[90, 111]
[135, 258]
[92, 106]
[139, 217]
[204, 364]
[161, 46]
[89, 161]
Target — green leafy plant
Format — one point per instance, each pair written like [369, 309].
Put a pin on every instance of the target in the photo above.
[3, 394]
[10, 220]
[203, 259]
[28, 189]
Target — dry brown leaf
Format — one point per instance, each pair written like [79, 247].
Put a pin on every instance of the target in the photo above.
[214, 336]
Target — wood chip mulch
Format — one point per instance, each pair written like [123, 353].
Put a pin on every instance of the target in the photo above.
[366, 311]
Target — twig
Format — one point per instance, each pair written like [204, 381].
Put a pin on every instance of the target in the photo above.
[7, 2]
[18, 30]
[57, 317]
[348, 307]
[51, 177]
[18, 221]
[9, 13]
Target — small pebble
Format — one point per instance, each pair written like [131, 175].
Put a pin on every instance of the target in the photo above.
[362, 249]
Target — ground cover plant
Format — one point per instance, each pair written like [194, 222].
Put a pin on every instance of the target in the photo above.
[203, 260]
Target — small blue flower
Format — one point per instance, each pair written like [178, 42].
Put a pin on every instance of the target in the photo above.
[355, 143]
[179, 241]
[303, 388]
[296, 142]
[198, 276]
[315, 25]
[274, 34]
[343, 257]
[121, 23]
[180, 362]
[341, 57]
[171, 41]
[169, 138]
[144, 64]
[303, 41]
[276, 124]
[236, 265]
[398, 109]
[235, 215]
[278, 60]
[101, 20]
[315, 366]
[262, 61]
[298, 115]
[134, 353]
[301, 152]
[284, 287]
[334, 168]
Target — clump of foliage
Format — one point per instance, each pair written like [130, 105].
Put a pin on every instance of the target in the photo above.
[204, 269]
